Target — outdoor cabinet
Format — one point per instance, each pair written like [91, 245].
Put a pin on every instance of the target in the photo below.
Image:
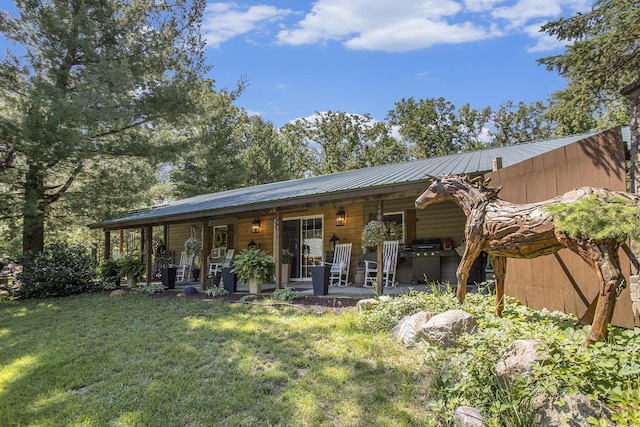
[228, 279]
[320, 279]
[168, 277]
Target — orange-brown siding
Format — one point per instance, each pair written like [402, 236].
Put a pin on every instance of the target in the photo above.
[597, 161]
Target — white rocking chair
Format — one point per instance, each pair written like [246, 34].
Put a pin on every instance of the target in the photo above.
[339, 271]
[390, 262]
[216, 267]
[183, 270]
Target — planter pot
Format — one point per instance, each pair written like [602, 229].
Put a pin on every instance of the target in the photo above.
[320, 279]
[286, 273]
[228, 280]
[168, 277]
[196, 273]
[254, 286]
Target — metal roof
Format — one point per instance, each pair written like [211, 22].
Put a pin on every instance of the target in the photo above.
[473, 162]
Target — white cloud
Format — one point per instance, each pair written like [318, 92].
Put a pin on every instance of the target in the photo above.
[223, 21]
[390, 25]
[383, 25]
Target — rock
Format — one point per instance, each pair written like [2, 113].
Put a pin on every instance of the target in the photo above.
[190, 290]
[405, 331]
[518, 360]
[571, 411]
[445, 328]
[366, 304]
[117, 293]
[467, 416]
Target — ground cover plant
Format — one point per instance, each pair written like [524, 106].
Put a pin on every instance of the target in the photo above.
[140, 360]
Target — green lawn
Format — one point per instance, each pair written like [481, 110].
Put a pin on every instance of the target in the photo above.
[140, 361]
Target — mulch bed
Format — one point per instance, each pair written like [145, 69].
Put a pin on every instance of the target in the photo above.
[307, 303]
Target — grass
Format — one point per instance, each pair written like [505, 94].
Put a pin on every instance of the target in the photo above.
[140, 361]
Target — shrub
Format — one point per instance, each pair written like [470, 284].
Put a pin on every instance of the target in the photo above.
[109, 273]
[285, 294]
[60, 270]
[152, 288]
[216, 291]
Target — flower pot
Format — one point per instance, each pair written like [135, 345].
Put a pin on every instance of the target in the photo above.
[168, 277]
[196, 273]
[320, 279]
[255, 287]
[228, 280]
[286, 273]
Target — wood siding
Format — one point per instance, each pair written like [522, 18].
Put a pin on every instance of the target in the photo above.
[597, 161]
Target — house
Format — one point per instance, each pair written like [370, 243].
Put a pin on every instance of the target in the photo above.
[301, 216]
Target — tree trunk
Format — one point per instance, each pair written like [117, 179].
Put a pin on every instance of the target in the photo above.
[33, 212]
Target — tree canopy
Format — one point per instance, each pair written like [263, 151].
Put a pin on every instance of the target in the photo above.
[91, 79]
[601, 58]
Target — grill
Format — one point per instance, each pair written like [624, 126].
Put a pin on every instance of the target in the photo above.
[426, 260]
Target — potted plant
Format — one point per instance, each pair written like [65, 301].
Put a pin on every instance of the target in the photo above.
[132, 268]
[109, 273]
[374, 235]
[286, 259]
[255, 267]
[193, 248]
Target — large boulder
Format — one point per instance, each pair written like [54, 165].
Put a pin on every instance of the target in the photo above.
[571, 411]
[519, 359]
[444, 329]
[405, 331]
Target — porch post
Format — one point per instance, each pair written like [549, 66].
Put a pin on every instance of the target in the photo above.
[277, 244]
[380, 275]
[147, 245]
[204, 258]
[107, 244]
[121, 242]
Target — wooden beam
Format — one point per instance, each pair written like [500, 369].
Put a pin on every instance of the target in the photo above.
[277, 252]
[148, 236]
[107, 244]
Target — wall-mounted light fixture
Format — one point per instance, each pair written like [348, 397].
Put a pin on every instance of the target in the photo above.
[341, 217]
[252, 245]
[255, 225]
[333, 241]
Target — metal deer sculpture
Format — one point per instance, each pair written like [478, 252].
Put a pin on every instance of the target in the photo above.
[508, 230]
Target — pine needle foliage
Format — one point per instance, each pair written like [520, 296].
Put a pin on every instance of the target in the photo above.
[594, 218]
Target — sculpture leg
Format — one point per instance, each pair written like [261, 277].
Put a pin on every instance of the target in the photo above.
[611, 282]
[471, 252]
[587, 317]
[500, 271]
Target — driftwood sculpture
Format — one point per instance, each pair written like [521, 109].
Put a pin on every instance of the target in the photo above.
[508, 230]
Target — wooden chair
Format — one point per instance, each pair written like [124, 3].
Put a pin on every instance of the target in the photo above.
[339, 271]
[389, 261]
[216, 267]
[183, 269]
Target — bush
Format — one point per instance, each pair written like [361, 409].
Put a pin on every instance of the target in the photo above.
[150, 289]
[61, 269]
[216, 291]
[285, 294]
[109, 273]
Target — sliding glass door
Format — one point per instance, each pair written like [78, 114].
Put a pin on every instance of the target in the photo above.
[302, 238]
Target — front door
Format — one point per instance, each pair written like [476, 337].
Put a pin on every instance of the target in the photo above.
[302, 238]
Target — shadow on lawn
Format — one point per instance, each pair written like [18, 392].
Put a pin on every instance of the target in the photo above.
[136, 360]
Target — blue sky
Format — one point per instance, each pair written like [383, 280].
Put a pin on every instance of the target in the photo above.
[362, 56]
